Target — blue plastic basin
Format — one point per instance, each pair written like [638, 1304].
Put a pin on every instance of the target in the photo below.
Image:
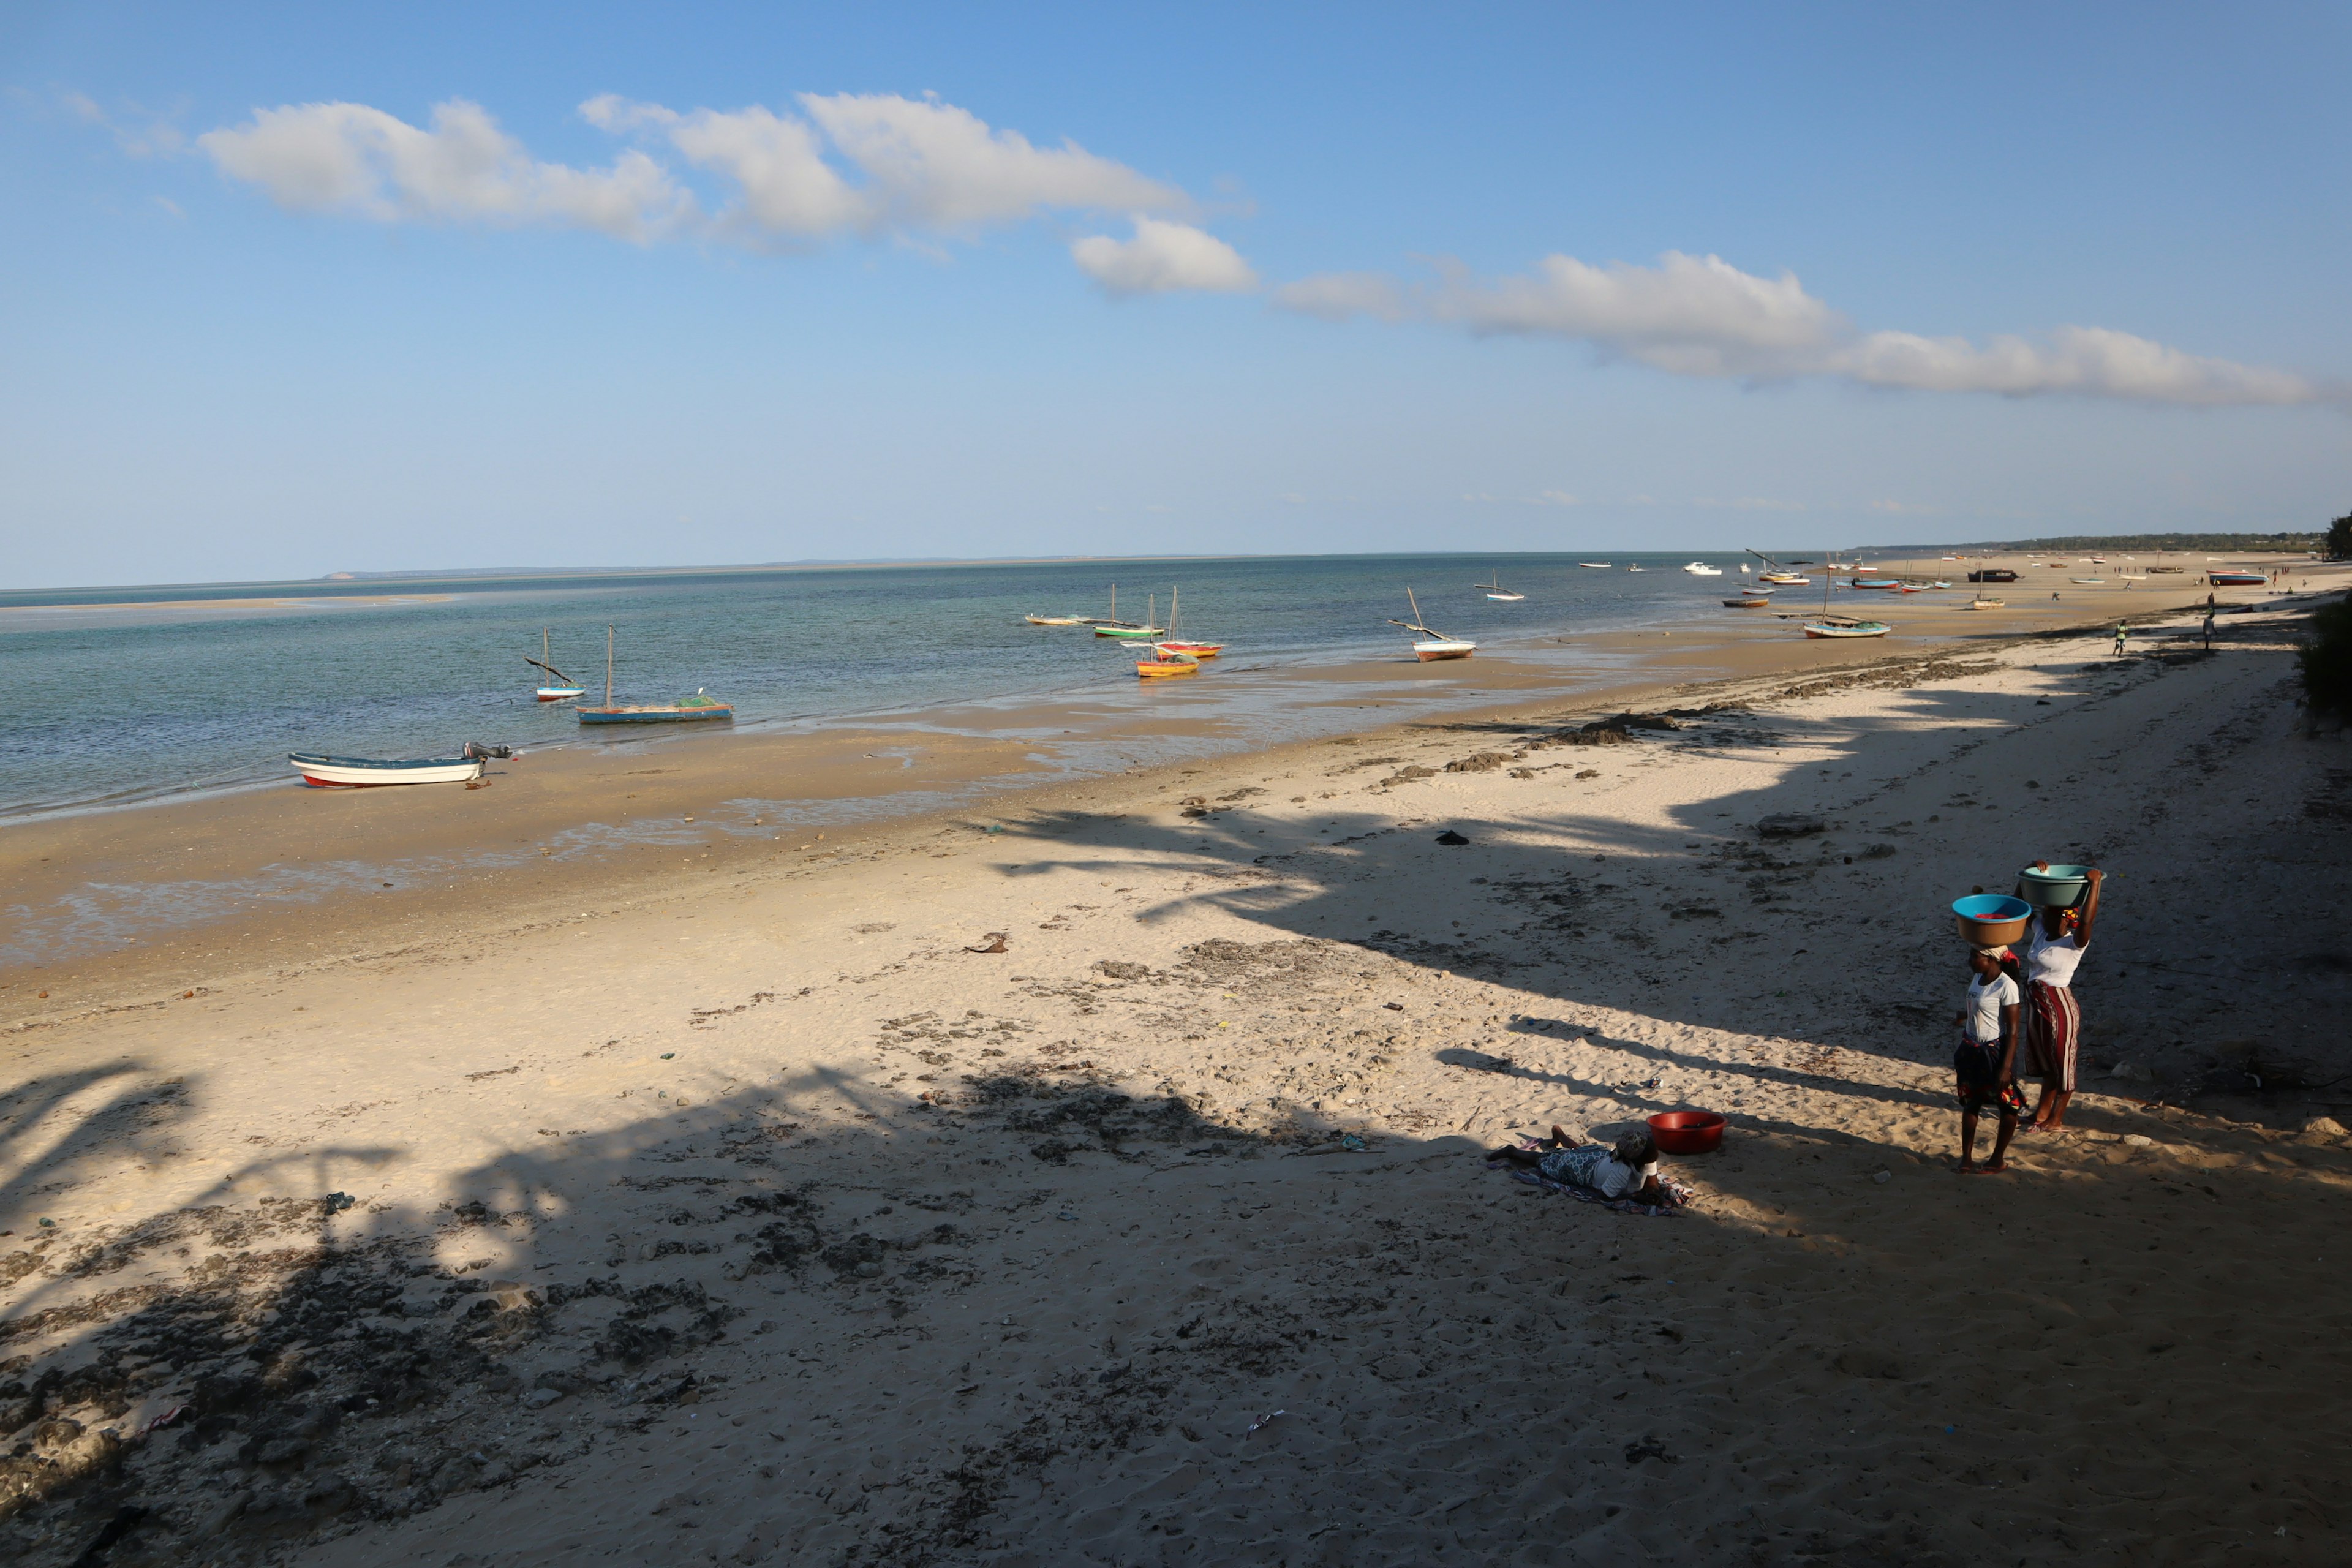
[1990, 919]
[2061, 887]
[1992, 906]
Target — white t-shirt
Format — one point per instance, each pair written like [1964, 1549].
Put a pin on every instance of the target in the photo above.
[1612, 1178]
[2052, 962]
[1985, 1003]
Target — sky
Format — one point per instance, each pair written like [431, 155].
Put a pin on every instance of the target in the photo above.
[292, 290]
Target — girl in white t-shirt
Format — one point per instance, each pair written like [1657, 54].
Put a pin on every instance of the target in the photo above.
[1985, 1063]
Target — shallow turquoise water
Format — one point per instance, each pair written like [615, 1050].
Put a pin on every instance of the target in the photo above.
[115, 706]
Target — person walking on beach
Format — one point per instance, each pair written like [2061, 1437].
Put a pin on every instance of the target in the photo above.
[2053, 1023]
[2123, 633]
[1985, 1064]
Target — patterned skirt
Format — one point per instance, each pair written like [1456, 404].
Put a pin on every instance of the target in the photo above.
[2054, 1024]
[1574, 1167]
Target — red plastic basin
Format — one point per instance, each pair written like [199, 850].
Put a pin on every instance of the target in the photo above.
[1686, 1131]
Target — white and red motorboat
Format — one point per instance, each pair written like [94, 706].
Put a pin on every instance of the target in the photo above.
[371, 773]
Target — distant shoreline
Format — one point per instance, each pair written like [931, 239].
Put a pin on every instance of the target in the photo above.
[342, 586]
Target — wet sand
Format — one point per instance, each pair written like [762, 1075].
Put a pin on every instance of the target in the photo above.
[751, 1213]
[109, 904]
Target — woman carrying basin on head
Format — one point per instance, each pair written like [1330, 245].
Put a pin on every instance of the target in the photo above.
[2053, 1023]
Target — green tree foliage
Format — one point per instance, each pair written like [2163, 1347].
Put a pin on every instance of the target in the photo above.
[2339, 538]
[2326, 660]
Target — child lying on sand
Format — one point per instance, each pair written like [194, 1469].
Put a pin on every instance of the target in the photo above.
[1630, 1170]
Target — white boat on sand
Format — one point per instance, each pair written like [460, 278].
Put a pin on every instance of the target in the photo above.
[371, 773]
[1432, 644]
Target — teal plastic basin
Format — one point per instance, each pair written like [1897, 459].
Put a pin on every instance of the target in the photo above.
[2061, 887]
[1991, 920]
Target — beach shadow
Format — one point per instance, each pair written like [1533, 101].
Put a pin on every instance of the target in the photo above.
[284, 1369]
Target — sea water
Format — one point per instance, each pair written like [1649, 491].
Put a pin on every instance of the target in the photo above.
[116, 696]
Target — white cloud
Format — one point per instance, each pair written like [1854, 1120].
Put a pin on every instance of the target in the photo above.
[158, 138]
[2091, 361]
[1337, 296]
[848, 164]
[788, 188]
[935, 165]
[1163, 258]
[1541, 497]
[1693, 315]
[1702, 316]
[348, 158]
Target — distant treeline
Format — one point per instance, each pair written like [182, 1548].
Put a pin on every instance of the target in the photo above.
[2221, 541]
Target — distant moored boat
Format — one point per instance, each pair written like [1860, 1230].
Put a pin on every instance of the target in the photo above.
[699, 706]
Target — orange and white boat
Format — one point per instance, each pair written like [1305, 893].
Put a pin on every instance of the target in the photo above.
[1173, 644]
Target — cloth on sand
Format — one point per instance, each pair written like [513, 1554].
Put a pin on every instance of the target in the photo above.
[2053, 1023]
[1677, 1197]
[1981, 1087]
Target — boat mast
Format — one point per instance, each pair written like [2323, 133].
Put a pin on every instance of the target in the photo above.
[608, 667]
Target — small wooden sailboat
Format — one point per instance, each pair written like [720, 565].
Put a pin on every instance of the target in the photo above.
[1172, 643]
[371, 772]
[1748, 602]
[1981, 603]
[564, 687]
[1845, 627]
[1165, 662]
[1053, 620]
[1434, 645]
[1596, 565]
[2086, 581]
[699, 706]
[1125, 631]
[1496, 590]
[1873, 582]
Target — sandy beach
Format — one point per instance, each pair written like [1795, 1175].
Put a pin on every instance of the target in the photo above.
[1097, 1177]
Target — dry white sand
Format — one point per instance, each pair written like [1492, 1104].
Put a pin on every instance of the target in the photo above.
[763, 1222]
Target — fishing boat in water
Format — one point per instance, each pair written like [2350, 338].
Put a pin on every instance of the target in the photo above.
[1433, 645]
[1165, 662]
[1053, 620]
[1701, 569]
[1496, 590]
[1596, 565]
[699, 706]
[1125, 631]
[373, 773]
[1748, 602]
[1176, 642]
[563, 687]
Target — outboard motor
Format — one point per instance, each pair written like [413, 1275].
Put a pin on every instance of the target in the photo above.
[475, 751]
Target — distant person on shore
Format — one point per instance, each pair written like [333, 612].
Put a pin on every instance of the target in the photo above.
[1985, 1064]
[2053, 1023]
[1627, 1170]
[2123, 634]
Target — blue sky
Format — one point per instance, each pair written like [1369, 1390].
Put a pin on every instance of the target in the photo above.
[295, 289]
